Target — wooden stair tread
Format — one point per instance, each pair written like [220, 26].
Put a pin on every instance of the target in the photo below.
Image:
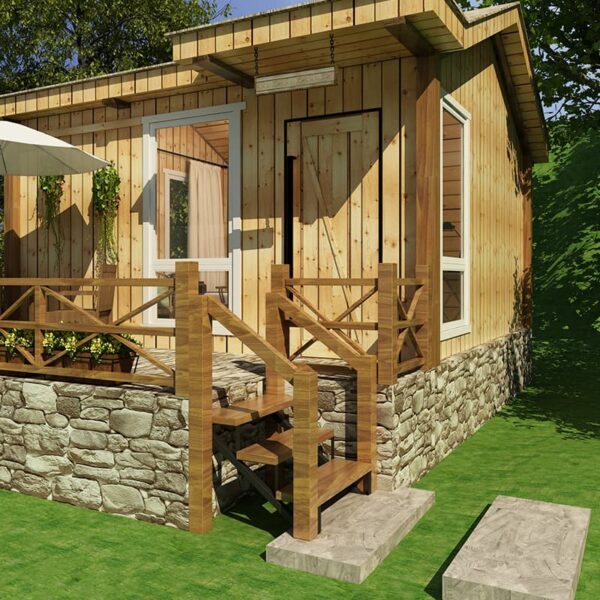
[277, 448]
[249, 410]
[334, 476]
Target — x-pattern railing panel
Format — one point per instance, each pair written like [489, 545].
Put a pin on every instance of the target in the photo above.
[87, 322]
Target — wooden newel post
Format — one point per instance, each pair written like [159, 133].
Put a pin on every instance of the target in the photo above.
[366, 419]
[200, 414]
[187, 279]
[387, 317]
[277, 327]
[305, 454]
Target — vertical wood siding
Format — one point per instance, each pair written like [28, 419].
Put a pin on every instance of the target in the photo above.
[388, 86]
[473, 79]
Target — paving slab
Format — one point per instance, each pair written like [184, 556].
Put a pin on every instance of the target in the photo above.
[357, 533]
[520, 550]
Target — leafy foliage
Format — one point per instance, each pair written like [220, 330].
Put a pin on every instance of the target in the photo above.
[42, 43]
[565, 41]
[178, 219]
[106, 185]
[57, 341]
[566, 235]
[51, 188]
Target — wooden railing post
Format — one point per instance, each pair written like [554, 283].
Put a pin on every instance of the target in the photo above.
[277, 328]
[200, 339]
[39, 316]
[387, 317]
[422, 313]
[366, 418]
[186, 287]
[305, 454]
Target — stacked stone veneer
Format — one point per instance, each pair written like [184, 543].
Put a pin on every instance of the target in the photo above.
[125, 451]
[117, 450]
[425, 415]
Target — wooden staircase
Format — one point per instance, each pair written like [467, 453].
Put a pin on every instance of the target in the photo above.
[316, 480]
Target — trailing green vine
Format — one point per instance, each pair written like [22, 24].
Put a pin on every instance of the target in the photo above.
[51, 187]
[105, 198]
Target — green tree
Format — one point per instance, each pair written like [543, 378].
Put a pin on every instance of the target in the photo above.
[42, 43]
[565, 41]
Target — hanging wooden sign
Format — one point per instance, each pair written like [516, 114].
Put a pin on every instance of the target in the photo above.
[297, 80]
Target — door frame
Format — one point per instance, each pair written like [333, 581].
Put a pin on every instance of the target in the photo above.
[288, 186]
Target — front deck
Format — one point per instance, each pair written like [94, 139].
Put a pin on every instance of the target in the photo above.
[235, 390]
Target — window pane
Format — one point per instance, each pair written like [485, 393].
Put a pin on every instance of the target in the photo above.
[192, 197]
[178, 218]
[452, 289]
[452, 159]
[212, 283]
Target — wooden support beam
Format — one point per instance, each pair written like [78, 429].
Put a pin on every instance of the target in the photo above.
[116, 103]
[410, 38]
[186, 287]
[387, 316]
[366, 419]
[222, 69]
[305, 454]
[428, 205]
[200, 415]
[277, 327]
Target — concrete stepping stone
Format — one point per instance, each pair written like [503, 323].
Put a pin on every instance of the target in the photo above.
[520, 550]
[357, 533]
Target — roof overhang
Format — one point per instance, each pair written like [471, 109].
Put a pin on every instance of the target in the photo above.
[298, 38]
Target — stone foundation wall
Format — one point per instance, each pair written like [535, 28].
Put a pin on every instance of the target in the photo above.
[425, 415]
[111, 449]
[125, 451]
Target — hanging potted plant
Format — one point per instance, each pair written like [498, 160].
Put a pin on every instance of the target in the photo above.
[51, 188]
[105, 198]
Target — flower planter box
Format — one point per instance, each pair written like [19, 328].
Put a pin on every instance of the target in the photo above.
[16, 358]
[109, 362]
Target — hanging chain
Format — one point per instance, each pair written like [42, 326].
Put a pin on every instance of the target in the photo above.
[332, 48]
[256, 61]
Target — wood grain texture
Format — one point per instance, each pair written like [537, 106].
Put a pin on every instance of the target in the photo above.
[428, 139]
[200, 415]
[305, 454]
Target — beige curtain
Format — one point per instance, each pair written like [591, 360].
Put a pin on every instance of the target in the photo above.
[206, 226]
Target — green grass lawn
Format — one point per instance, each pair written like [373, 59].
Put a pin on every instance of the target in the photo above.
[545, 445]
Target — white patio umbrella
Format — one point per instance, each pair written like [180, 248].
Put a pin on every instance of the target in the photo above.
[25, 151]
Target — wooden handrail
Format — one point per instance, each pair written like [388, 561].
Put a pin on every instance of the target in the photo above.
[399, 322]
[261, 347]
[167, 282]
[331, 281]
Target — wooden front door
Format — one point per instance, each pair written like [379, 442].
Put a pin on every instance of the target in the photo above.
[335, 205]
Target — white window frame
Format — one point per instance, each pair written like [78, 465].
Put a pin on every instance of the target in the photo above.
[233, 262]
[448, 263]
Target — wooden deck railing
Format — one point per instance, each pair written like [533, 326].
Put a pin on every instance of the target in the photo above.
[396, 320]
[30, 312]
[399, 326]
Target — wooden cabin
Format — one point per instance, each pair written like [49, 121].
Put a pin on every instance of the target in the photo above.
[350, 140]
